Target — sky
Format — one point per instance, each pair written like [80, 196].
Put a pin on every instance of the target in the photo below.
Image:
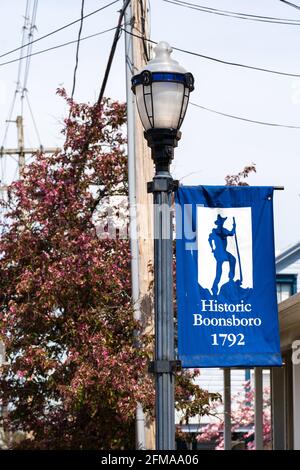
[212, 146]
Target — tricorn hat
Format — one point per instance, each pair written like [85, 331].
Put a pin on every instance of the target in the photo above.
[220, 220]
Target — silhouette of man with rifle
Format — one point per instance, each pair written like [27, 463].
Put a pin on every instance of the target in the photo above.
[218, 243]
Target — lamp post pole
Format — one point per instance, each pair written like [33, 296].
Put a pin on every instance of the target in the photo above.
[162, 93]
[162, 143]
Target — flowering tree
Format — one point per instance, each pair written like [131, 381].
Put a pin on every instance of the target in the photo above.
[239, 178]
[74, 374]
[242, 416]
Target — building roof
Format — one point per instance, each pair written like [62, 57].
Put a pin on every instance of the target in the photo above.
[288, 256]
[289, 320]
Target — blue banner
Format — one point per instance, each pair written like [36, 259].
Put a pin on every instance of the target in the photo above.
[226, 279]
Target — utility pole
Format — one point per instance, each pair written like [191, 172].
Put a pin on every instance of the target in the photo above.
[21, 151]
[20, 130]
[140, 169]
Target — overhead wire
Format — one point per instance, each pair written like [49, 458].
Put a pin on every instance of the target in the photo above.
[30, 37]
[19, 72]
[60, 28]
[240, 118]
[22, 78]
[203, 56]
[33, 119]
[232, 14]
[56, 47]
[290, 4]
[116, 38]
[119, 29]
[24, 95]
[25, 27]
[30, 54]
[8, 120]
[17, 90]
[143, 32]
[61, 45]
[77, 49]
[32, 27]
[265, 123]
[221, 61]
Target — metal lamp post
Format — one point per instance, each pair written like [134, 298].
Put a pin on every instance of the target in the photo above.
[162, 92]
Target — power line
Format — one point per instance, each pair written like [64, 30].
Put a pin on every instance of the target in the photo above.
[214, 59]
[60, 45]
[118, 30]
[77, 49]
[232, 116]
[236, 64]
[143, 32]
[32, 27]
[290, 4]
[232, 14]
[59, 29]
[30, 37]
[8, 121]
[25, 26]
[21, 58]
[33, 119]
[113, 50]
[221, 61]
[19, 73]
[24, 95]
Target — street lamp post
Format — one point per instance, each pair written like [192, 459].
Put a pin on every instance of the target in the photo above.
[162, 92]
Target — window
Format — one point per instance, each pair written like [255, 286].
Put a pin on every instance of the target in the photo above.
[286, 286]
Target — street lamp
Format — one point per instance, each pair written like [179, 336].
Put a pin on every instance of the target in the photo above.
[162, 92]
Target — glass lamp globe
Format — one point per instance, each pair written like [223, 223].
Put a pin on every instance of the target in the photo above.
[162, 91]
